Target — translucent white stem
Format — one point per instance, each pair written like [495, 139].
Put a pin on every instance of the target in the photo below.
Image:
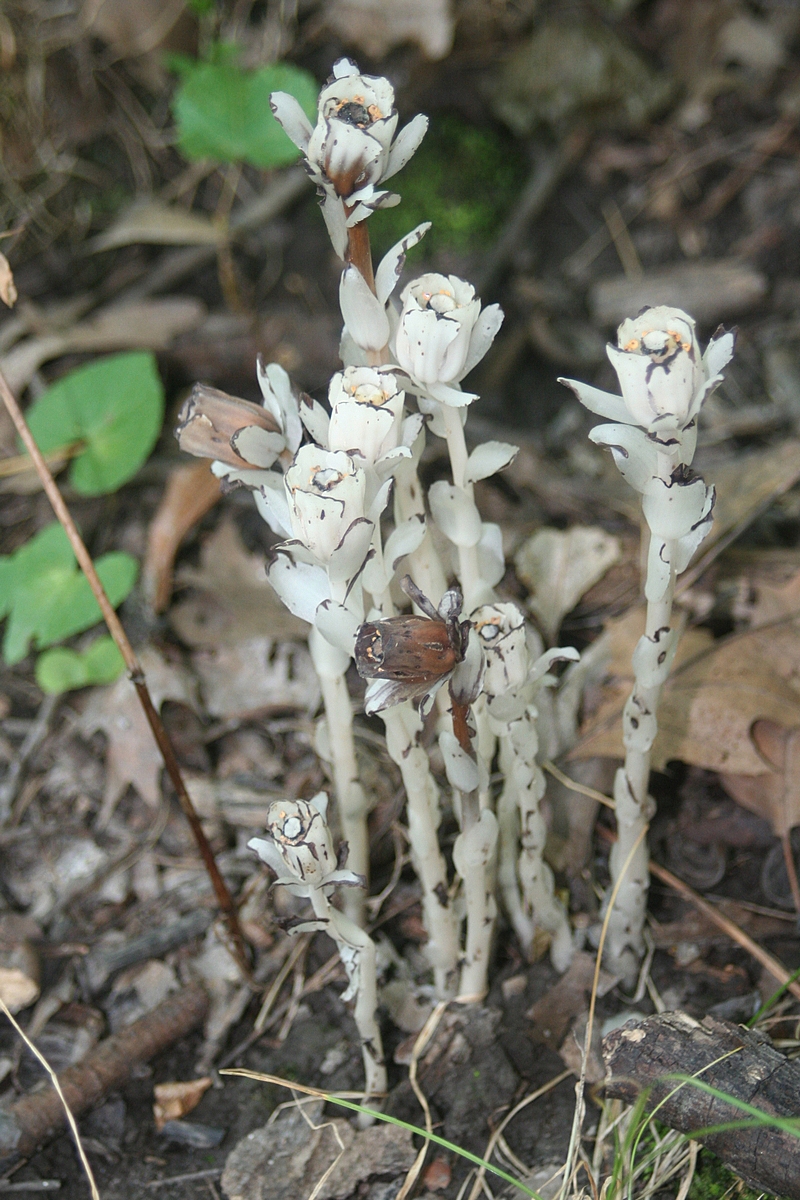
[351, 800]
[474, 857]
[634, 808]
[358, 952]
[508, 851]
[424, 564]
[539, 901]
[475, 590]
[403, 727]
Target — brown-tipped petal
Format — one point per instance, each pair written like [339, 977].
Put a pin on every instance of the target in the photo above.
[210, 421]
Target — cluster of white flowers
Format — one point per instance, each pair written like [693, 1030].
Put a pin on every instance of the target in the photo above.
[322, 477]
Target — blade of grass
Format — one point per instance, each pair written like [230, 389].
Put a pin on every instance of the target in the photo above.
[379, 1116]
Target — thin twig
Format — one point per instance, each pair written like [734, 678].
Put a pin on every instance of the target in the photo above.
[8, 788]
[420, 1045]
[135, 672]
[67, 1110]
[188, 1177]
[775, 968]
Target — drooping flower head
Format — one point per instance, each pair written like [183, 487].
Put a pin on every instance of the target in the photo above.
[300, 849]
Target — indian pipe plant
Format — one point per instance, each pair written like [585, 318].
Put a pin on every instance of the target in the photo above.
[340, 487]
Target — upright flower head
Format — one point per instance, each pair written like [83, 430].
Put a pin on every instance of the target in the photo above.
[663, 377]
[443, 334]
[352, 148]
[300, 847]
[366, 413]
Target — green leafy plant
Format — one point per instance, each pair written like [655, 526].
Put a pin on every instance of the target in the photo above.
[110, 412]
[46, 598]
[61, 670]
[223, 112]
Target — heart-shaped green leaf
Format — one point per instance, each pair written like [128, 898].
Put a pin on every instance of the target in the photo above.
[113, 409]
[62, 670]
[223, 112]
[47, 598]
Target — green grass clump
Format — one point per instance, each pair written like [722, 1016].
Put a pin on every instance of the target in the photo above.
[464, 179]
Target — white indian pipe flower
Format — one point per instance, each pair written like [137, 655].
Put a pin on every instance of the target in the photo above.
[352, 149]
[326, 495]
[442, 334]
[502, 631]
[366, 413]
[300, 847]
[663, 377]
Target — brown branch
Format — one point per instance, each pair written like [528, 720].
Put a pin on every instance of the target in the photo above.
[27, 1124]
[135, 672]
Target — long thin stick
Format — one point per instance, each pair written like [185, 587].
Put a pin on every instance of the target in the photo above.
[67, 1110]
[135, 672]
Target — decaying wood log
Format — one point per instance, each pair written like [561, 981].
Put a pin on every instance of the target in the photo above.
[642, 1054]
[27, 1124]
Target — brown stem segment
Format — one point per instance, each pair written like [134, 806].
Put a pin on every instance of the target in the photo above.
[224, 898]
[27, 1124]
[359, 252]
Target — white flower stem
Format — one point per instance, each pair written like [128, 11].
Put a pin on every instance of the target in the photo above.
[540, 905]
[403, 727]
[424, 564]
[508, 850]
[475, 590]
[475, 863]
[350, 796]
[358, 953]
[625, 942]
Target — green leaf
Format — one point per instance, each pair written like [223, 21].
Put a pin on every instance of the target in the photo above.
[61, 670]
[223, 112]
[114, 407]
[46, 595]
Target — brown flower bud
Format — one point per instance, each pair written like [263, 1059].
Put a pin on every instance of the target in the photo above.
[210, 424]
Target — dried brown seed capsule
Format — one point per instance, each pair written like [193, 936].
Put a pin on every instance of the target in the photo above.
[210, 421]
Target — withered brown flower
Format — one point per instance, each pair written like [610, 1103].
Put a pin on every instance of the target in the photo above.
[212, 424]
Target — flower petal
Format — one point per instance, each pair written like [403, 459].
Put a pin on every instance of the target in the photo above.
[489, 457]
[335, 220]
[461, 769]
[290, 116]
[483, 334]
[406, 144]
[258, 446]
[403, 540]
[391, 265]
[338, 625]
[276, 389]
[315, 419]
[349, 555]
[719, 351]
[363, 313]
[491, 557]
[455, 514]
[301, 587]
[634, 452]
[605, 404]
[272, 503]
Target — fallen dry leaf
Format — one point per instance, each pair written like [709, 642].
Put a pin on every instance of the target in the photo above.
[146, 325]
[8, 291]
[132, 756]
[560, 567]
[190, 492]
[176, 1100]
[774, 796]
[377, 27]
[254, 675]
[714, 694]
[235, 600]
[555, 1011]
[160, 224]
